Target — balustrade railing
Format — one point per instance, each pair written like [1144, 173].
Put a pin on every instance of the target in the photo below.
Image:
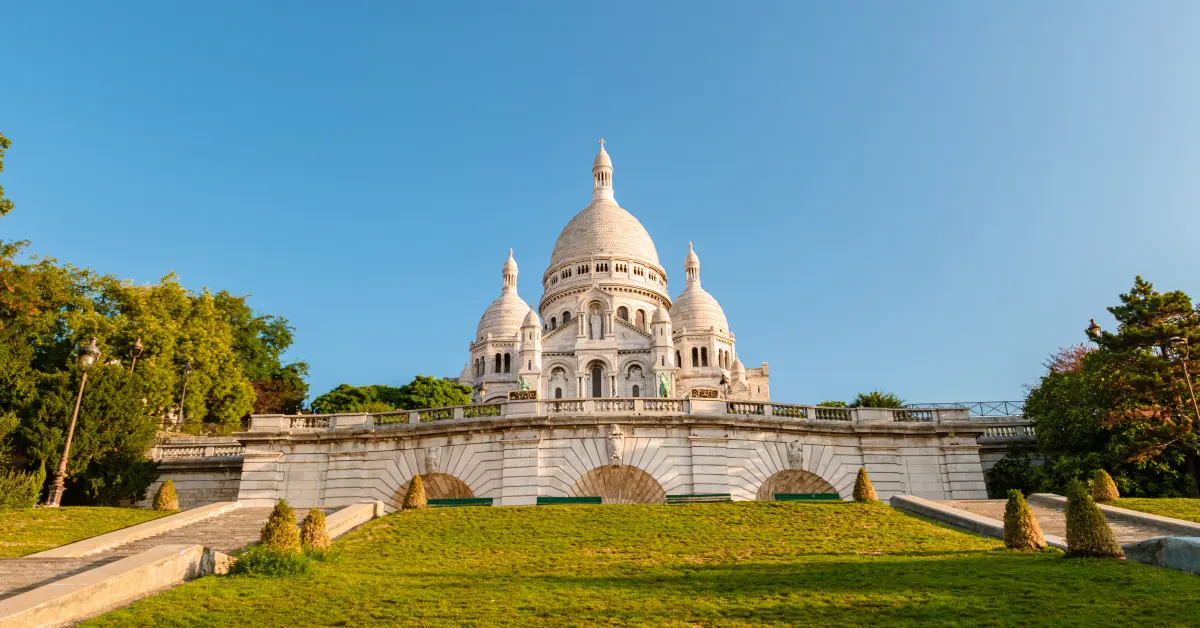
[663, 405]
[744, 407]
[435, 414]
[185, 448]
[788, 411]
[822, 413]
[912, 416]
[309, 421]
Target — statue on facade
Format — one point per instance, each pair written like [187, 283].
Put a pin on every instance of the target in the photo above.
[795, 454]
[433, 460]
[615, 443]
[596, 325]
[664, 385]
[522, 383]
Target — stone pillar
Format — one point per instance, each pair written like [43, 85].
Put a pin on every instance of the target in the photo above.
[262, 478]
[522, 459]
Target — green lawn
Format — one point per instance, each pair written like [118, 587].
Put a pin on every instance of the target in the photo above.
[31, 530]
[739, 564]
[1179, 508]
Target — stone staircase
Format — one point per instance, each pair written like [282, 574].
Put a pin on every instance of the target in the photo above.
[224, 533]
[1053, 521]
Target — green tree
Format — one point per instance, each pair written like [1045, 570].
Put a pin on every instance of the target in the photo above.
[346, 398]
[422, 392]
[259, 341]
[832, 404]
[433, 392]
[6, 204]
[876, 399]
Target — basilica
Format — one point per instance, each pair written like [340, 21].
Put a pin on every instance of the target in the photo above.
[606, 325]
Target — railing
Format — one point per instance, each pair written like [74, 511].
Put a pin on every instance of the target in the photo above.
[389, 418]
[742, 407]
[821, 413]
[791, 412]
[614, 405]
[482, 410]
[435, 414]
[185, 448]
[1011, 431]
[912, 416]
[663, 405]
[979, 408]
[309, 421]
[568, 405]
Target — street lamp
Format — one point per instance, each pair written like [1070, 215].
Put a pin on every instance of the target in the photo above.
[87, 358]
[187, 372]
[1177, 341]
[135, 352]
[1093, 330]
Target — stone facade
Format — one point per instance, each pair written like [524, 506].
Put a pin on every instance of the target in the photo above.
[621, 450]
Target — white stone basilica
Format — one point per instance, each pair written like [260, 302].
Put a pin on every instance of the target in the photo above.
[607, 325]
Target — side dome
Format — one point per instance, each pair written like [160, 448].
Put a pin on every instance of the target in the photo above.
[697, 310]
[603, 229]
[502, 319]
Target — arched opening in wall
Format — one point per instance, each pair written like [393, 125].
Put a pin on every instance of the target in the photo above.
[553, 323]
[507, 363]
[703, 356]
[497, 364]
[641, 320]
[597, 378]
[623, 313]
[695, 357]
[558, 393]
[637, 392]
[678, 360]
[619, 485]
[793, 481]
[438, 486]
[566, 317]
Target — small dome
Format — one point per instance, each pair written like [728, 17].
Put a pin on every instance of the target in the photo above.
[465, 376]
[531, 319]
[692, 260]
[602, 158]
[660, 315]
[697, 310]
[738, 372]
[510, 265]
[502, 319]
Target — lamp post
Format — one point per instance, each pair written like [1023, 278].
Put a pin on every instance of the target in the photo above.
[187, 372]
[87, 357]
[1093, 330]
[135, 352]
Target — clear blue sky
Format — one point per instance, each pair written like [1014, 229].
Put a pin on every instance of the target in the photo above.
[925, 197]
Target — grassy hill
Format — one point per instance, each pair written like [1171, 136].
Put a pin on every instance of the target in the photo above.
[27, 530]
[740, 564]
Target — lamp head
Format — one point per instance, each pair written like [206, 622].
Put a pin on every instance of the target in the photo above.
[88, 355]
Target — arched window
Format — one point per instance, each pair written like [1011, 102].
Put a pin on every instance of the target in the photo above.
[497, 364]
[558, 393]
[641, 320]
[553, 323]
[663, 360]
[597, 381]
[695, 357]
[703, 356]
[623, 313]
[566, 317]
[636, 391]
[678, 360]
[508, 363]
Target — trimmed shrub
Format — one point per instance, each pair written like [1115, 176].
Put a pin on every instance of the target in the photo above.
[166, 498]
[261, 561]
[1021, 529]
[1088, 533]
[415, 498]
[1103, 487]
[21, 490]
[863, 491]
[312, 531]
[281, 534]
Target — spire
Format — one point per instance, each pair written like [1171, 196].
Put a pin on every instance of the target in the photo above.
[510, 274]
[691, 266]
[602, 175]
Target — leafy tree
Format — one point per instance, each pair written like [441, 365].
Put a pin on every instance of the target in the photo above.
[1021, 529]
[280, 533]
[1103, 488]
[313, 535]
[1127, 407]
[422, 392]
[258, 342]
[876, 399]
[832, 404]
[1015, 471]
[1088, 532]
[6, 204]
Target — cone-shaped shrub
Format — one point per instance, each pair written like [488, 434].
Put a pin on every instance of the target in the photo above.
[863, 491]
[1088, 533]
[166, 498]
[415, 498]
[1021, 529]
[312, 531]
[1103, 487]
[281, 534]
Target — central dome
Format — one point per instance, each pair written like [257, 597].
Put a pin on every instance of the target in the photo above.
[603, 229]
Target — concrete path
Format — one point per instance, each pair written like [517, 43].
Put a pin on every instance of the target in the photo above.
[223, 533]
[1053, 520]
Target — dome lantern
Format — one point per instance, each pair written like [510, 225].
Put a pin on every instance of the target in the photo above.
[602, 175]
[510, 274]
[691, 266]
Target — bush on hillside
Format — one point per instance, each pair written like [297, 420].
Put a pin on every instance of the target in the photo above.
[863, 491]
[415, 498]
[281, 534]
[262, 561]
[1103, 487]
[1088, 533]
[166, 498]
[1021, 529]
[19, 489]
[312, 531]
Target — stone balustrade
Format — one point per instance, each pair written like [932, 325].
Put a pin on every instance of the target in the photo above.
[615, 406]
[184, 448]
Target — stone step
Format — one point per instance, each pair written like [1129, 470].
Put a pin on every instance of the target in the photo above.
[1053, 520]
[223, 533]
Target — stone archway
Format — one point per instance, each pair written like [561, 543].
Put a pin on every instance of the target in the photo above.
[619, 485]
[438, 486]
[793, 481]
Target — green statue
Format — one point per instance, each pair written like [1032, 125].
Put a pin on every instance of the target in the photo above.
[664, 385]
[522, 384]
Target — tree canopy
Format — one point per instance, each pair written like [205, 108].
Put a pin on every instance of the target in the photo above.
[876, 399]
[422, 392]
